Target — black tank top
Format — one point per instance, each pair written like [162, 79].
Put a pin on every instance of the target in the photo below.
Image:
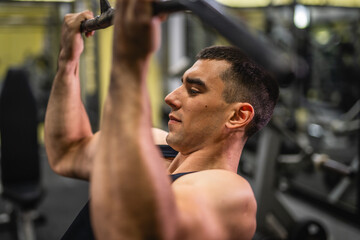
[81, 229]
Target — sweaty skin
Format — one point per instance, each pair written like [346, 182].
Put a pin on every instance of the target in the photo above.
[132, 196]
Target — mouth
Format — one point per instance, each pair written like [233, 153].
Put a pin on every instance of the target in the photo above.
[173, 119]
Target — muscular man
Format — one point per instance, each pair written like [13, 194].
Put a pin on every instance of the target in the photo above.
[224, 99]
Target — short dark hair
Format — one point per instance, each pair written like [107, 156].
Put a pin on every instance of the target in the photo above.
[245, 81]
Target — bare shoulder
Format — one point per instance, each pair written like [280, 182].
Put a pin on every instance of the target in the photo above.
[228, 196]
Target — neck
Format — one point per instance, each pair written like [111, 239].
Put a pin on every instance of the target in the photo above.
[224, 155]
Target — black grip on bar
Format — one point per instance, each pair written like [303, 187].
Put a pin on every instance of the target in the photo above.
[105, 19]
[99, 22]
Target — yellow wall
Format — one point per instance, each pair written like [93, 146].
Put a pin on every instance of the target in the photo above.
[22, 34]
[105, 44]
[17, 43]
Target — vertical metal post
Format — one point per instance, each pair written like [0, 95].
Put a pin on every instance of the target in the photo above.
[272, 214]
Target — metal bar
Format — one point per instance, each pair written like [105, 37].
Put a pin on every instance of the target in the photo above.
[104, 20]
[237, 34]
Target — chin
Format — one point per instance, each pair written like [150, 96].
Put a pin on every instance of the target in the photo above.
[172, 142]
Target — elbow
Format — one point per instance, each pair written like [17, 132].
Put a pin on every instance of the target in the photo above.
[62, 167]
[51, 155]
[56, 159]
[55, 164]
[69, 160]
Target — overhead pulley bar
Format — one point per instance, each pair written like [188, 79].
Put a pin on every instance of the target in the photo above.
[210, 13]
[104, 20]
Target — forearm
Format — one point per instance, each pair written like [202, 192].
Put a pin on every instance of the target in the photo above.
[131, 195]
[131, 192]
[66, 124]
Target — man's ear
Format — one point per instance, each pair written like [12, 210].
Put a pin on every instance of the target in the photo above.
[241, 116]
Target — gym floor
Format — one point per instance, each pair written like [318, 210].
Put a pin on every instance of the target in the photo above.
[65, 197]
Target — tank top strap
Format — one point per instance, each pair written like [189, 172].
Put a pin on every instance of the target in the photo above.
[178, 175]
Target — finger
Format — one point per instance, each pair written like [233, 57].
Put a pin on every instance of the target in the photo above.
[84, 16]
[87, 14]
[162, 17]
[89, 34]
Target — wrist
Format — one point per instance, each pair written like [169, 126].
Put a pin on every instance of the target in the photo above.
[130, 75]
[131, 65]
[67, 66]
[131, 60]
[67, 55]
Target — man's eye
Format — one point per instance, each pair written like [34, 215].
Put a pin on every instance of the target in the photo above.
[193, 91]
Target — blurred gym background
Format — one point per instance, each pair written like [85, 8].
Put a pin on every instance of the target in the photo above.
[303, 167]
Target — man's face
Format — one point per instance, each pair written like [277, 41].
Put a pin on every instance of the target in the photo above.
[199, 111]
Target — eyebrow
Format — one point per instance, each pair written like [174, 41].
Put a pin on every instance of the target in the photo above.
[196, 81]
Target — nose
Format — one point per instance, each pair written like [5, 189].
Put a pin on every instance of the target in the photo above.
[173, 100]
